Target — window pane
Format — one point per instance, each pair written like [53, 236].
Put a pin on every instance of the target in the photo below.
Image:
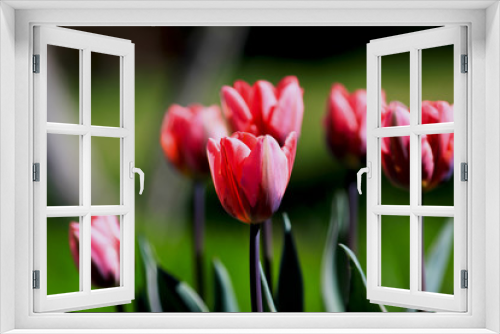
[105, 89]
[63, 255]
[438, 254]
[105, 171]
[437, 85]
[395, 241]
[63, 170]
[395, 158]
[395, 71]
[63, 85]
[437, 169]
[105, 251]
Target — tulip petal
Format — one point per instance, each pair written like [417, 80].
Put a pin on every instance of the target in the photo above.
[290, 149]
[265, 177]
[233, 153]
[341, 123]
[74, 242]
[235, 109]
[288, 113]
[264, 101]
[245, 91]
[247, 138]
[427, 162]
[285, 82]
[176, 121]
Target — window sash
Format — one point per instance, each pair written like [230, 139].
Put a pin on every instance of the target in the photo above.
[413, 43]
[87, 43]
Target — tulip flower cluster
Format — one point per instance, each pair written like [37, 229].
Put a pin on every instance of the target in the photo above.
[345, 128]
[437, 149]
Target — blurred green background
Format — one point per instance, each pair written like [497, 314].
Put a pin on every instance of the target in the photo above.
[190, 64]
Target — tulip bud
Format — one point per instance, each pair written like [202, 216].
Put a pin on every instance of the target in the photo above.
[105, 249]
[345, 125]
[184, 137]
[251, 173]
[262, 109]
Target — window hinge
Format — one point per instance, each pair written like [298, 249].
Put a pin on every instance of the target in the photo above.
[36, 172]
[36, 279]
[464, 171]
[36, 63]
[464, 279]
[465, 64]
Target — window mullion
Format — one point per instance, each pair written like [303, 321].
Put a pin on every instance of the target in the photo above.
[85, 243]
[415, 261]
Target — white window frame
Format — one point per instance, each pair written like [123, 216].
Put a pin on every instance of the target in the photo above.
[86, 44]
[483, 21]
[414, 43]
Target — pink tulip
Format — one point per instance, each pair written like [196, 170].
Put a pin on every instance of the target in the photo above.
[184, 137]
[437, 150]
[105, 249]
[262, 109]
[251, 173]
[345, 124]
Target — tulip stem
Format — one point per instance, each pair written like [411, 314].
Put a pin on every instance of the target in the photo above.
[255, 283]
[267, 247]
[352, 240]
[198, 235]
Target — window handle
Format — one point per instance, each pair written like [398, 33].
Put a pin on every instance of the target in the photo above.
[368, 171]
[141, 175]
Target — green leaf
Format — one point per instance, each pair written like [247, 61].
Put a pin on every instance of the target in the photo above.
[438, 257]
[164, 292]
[151, 275]
[332, 278]
[267, 292]
[290, 292]
[177, 296]
[357, 292]
[225, 298]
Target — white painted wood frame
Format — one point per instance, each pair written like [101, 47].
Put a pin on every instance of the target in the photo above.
[86, 44]
[414, 43]
[17, 19]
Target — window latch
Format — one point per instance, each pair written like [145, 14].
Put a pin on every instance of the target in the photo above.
[368, 171]
[133, 170]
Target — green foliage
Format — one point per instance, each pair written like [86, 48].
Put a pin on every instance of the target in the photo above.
[225, 298]
[165, 292]
[438, 258]
[333, 277]
[267, 292]
[357, 291]
[290, 295]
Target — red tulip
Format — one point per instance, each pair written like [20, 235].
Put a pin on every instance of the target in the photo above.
[437, 150]
[345, 124]
[105, 249]
[264, 109]
[251, 173]
[184, 136]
